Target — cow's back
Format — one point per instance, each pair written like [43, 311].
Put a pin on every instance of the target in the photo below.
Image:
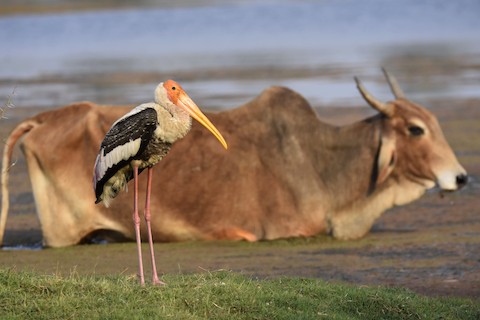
[256, 185]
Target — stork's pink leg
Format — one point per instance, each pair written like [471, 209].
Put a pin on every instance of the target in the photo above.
[155, 279]
[136, 222]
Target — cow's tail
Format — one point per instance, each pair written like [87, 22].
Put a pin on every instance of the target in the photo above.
[12, 139]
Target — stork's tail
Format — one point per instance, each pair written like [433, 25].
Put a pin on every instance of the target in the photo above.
[12, 139]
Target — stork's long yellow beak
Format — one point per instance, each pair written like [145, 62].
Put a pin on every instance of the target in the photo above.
[186, 103]
[182, 100]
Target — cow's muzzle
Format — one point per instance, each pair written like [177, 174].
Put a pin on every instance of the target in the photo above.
[461, 180]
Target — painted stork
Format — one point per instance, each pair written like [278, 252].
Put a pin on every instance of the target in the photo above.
[139, 140]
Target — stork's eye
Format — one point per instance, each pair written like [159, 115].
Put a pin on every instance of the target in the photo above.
[416, 131]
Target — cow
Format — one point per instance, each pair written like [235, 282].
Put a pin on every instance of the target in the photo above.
[286, 172]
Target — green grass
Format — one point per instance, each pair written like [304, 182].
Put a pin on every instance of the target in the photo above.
[215, 295]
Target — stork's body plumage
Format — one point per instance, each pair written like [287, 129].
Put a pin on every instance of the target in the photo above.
[138, 141]
[142, 138]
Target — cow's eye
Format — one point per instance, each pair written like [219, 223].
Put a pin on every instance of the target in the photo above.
[416, 131]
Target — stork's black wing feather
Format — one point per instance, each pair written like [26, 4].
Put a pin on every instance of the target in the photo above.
[130, 128]
[126, 140]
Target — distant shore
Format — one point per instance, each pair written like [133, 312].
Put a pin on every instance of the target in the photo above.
[13, 7]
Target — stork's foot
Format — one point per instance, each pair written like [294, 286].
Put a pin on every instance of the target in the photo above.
[158, 282]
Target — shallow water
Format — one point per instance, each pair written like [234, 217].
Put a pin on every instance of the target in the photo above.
[54, 59]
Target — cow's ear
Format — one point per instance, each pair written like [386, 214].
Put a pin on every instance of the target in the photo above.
[386, 159]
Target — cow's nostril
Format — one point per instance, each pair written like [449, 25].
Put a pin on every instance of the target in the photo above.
[462, 180]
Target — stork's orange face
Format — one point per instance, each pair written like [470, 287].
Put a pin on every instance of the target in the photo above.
[179, 97]
[174, 90]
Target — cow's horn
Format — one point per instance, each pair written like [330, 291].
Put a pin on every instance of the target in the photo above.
[383, 108]
[394, 86]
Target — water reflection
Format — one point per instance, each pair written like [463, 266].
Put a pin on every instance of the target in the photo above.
[33, 247]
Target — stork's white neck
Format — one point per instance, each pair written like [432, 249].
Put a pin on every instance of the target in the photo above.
[173, 123]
